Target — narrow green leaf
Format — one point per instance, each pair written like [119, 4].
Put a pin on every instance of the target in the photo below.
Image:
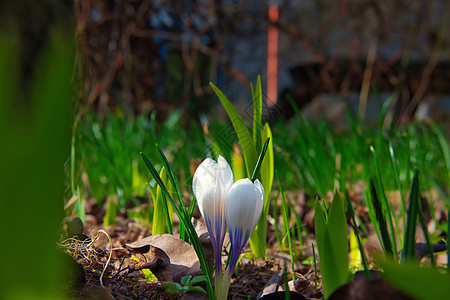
[284, 212]
[399, 186]
[298, 222]
[331, 236]
[152, 190]
[257, 114]
[444, 146]
[171, 177]
[159, 181]
[315, 268]
[337, 226]
[160, 207]
[275, 217]
[387, 207]
[372, 217]
[381, 220]
[243, 134]
[410, 233]
[180, 213]
[80, 210]
[425, 233]
[111, 212]
[260, 159]
[446, 153]
[267, 166]
[287, 292]
[192, 207]
[358, 236]
[177, 193]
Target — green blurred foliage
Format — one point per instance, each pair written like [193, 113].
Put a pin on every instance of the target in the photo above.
[34, 130]
[319, 158]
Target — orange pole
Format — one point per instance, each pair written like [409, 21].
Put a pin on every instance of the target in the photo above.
[272, 57]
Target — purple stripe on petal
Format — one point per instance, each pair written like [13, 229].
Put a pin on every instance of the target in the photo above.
[238, 241]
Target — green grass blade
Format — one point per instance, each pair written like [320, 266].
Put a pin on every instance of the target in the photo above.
[177, 209]
[111, 212]
[159, 181]
[381, 220]
[284, 212]
[177, 192]
[298, 221]
[160, 213]
[426, 235]
[243, 134]
[387, 207]
[192, 207]
[439, 188]
[444, 146]
[79, 208]
[372, 217]
[257, 114]
[337, 223]
[410, 233]
[287, 292]
[275, 217]
[171, 177]
[260, 159]
[358, 236]
[315, 267]
[267, 166]
[445, 151]
[399, 186]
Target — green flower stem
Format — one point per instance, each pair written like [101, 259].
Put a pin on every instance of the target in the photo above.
[221, 291]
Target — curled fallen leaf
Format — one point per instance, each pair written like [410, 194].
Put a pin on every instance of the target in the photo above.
[154, 259]
[178, 257]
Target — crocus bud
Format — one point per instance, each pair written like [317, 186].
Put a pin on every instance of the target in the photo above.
[211, 183]
[243, 208]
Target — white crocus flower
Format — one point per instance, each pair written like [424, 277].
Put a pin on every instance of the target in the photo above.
[211, 183]
[243, 208]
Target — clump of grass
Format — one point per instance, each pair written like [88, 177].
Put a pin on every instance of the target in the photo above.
[319, 158]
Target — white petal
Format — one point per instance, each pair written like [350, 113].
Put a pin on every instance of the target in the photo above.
[244, 205]
[203, 185]
[225, 174]
[210, 185]
[259, 203]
